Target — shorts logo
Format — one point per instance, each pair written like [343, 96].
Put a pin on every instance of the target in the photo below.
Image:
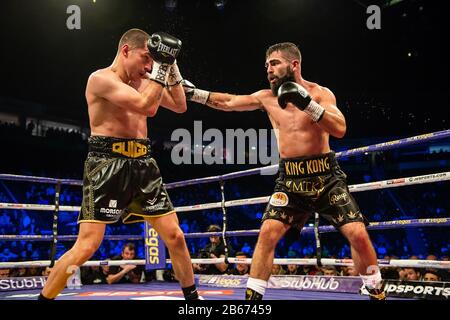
[279, 199]
[130, 149]
[113, 203]
[339, 197]
[111, 212]
[152, 201]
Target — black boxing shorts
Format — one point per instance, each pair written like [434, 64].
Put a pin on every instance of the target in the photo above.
[122, 180]
[312, 184]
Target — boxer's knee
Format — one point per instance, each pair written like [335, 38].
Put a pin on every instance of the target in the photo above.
[83, 251]
[174, 238]
[269, 236]
[358, 238]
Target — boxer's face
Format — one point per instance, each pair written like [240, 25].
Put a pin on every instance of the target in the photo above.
[279, 70]
[138, 62]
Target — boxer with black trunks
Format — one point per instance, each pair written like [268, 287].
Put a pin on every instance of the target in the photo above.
[304, 115]
[121, 179]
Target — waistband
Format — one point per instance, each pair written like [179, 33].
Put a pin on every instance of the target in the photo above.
[308, 166]
[119, 147]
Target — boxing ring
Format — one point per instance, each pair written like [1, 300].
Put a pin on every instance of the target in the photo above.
[233, 287]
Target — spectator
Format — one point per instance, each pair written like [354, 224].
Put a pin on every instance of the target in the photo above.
[214, 249]
[277, 270]
[94, 275]
[4, 273]
[431, 275]
[46, 271]
[329, 271]
[128, 273]
[240, 269]
[412, 274]
[349, 271]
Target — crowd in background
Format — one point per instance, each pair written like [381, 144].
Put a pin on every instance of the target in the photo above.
[412, 202]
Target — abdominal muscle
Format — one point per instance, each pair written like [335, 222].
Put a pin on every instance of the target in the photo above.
[298, 136]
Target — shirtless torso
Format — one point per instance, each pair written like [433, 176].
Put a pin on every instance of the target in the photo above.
[297, 134]
[109, 119]
[115, 107]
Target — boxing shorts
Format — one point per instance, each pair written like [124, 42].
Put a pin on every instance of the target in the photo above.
[312, 184]
[122, 180]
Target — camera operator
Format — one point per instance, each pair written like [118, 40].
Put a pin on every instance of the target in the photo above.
[214, 249]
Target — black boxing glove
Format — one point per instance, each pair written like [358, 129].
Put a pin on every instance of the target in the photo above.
[164, 50]
[297, 95]
[194, 94]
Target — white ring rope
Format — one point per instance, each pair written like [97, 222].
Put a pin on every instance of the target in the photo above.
[410, 263]
[398, 182]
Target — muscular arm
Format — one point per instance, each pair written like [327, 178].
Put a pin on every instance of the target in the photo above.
[229, 102]
[174, 99]
[333, 121]
[124, 96]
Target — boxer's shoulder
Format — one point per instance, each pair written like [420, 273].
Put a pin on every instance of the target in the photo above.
[102, 78]
[317, 91]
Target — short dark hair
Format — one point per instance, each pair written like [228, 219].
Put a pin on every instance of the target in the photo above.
[240, 253]
[329, 268]
[135, 38]
[289, 50]
[432, 271]
[130, 247]
[214, 228]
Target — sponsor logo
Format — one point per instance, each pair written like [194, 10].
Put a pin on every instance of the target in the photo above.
[130, 149]
[428, 177]
[22, 283]
[152, 201]
[166, 49]
[420, 289]
[279, 199]
[415, 289]
[299, 168]
[152, 244]
[110, 211]
[223, 281]
[156, 207]
[396, 181]
[306, 186]
[113, 203]
[339, 197]
[307, 283]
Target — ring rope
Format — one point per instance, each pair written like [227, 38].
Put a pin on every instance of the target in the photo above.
[382, 225]
[437, 264]
[351, 152]
[384, 184]
[354, 188]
